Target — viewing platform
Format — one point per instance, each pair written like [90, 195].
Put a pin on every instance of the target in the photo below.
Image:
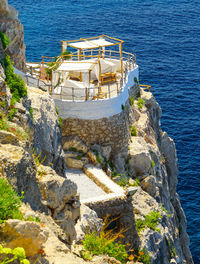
[93, 81]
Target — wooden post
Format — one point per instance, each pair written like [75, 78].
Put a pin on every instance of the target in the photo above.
[99, 76]
[79, 58]
[120, 50]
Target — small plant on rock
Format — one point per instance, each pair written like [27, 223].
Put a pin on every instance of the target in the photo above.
[140, 255]
[140, 103]
[133, 131]
[16, 255]
[131, 100]
[153, 164]
[104, 243]
[10, 202]
[151, 221]
[37, 158]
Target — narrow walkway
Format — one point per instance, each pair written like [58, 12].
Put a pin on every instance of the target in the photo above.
[86, 187]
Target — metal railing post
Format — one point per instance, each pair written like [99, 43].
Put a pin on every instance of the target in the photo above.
[73, 94]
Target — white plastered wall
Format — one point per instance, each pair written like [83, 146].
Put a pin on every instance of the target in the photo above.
[99, 108]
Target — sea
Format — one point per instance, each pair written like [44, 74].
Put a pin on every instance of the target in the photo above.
[165, 36]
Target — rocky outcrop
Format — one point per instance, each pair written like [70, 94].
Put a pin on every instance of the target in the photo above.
[152, 160]
[47, 137]
[11, 26]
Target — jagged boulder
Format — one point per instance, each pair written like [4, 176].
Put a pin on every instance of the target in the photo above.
[169, 151]
[74, 142]
[88, 223]
[29, 235]
[139, 156]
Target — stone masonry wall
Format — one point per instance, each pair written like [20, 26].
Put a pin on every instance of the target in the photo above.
[113, 131]
[122, 208]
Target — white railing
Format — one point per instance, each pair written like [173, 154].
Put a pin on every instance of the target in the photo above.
[109, 90]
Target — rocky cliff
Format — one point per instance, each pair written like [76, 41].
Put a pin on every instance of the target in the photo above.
[11, 26]
[31, 159]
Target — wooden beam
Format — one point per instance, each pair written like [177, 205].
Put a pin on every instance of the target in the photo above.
[79, 58]
[121, 57]
[99, 76]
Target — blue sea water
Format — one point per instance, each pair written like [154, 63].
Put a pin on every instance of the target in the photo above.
[165, 36]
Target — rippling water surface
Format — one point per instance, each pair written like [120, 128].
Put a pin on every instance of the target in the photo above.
[165, 35]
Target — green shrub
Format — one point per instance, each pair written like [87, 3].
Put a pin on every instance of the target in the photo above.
[10, 201]
[4, 39]
[12, 113]
[131, 100]
[153, 163]
[140, 255]
[140, 225]
[59, 118]
[145, 257]
[151, 221]
[135, 80]
[140, 103]
[101, 246]
[16, 130]
[37, 158]
[133, 131]
[166, 211]
[31, 112]
[33, 219]
[14, 82]
[3, 105]
[66, 54]
[8, 255]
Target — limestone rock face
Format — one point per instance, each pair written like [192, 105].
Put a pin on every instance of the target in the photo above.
[29, 235]
[47, 133]
[88, 223]
[11, 26]
[17, 165]
[153, 160]
[140, 158]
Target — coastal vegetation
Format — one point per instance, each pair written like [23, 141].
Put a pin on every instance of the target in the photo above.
[140, 103]
[16, 255]
[10, 202]
[15, 83]
[151, 221]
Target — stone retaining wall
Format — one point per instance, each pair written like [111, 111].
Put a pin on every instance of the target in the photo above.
[113, 131]
[122, 208]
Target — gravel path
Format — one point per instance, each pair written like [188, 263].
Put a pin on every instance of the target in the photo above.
[86, 187]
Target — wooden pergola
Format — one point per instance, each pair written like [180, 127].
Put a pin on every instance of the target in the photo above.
[99, 42]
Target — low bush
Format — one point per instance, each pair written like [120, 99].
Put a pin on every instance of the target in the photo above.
[66, 54]
[133, 131]
[15, 83]
[11, 114]
[151, 221]
[59, 118]
[20, 133]
[16, 255]
[131, 100]
[31, 112]
[153, 164]
[10, 202]
[4, 39]
[104, 243]
[140, 103]
[140, 255]
[99, 245]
